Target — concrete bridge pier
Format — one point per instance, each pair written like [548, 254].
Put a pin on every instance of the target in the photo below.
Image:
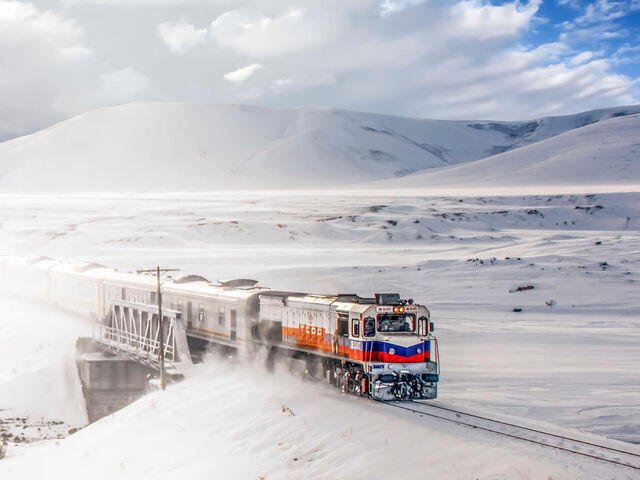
[110, 382]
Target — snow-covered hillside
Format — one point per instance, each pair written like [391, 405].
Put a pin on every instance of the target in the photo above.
[163, 146]
[606, 153]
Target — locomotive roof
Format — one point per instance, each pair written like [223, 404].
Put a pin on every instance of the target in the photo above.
[353, 307]
[330, 301]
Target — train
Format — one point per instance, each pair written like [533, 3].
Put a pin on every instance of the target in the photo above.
[382, 346]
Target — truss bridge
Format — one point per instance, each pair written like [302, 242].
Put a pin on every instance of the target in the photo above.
[132, 330]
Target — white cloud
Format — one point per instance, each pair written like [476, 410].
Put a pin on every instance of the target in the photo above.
[43, 55]
[603, 11]
[482, 20]
[253, 32]
[392, 6]
[588, 34]
[580, 59]
[19, 20]
[242, 74]
[181, 37]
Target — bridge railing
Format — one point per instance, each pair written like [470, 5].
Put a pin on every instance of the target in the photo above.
[132, 343]
[133, 329]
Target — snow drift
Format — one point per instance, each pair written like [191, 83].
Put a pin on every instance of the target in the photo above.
[163, 146]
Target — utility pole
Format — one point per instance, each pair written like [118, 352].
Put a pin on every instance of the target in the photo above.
[160, 319]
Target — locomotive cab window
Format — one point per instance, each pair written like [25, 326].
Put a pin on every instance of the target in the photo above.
[355, 327]
[369, 327]
[423, 326]
[396, 323]
[343, 324]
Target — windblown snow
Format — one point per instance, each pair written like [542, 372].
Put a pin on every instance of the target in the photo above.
[183, 147]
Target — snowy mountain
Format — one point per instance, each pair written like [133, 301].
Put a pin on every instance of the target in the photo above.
[606, 153]
[163, 146]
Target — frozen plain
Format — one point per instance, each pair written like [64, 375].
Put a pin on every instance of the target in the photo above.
[571, 366]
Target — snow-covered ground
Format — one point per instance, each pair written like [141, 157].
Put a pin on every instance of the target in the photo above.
[40, 393]
[571, 366]
[242, 422]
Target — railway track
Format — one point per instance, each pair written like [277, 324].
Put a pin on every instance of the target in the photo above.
[575, 446]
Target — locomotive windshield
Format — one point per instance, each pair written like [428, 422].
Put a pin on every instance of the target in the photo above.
[397, 322]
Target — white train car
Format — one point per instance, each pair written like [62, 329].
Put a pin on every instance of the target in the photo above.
[128, 287]
[225, 312]
[78, 288]
[42, 268]
[26, 278]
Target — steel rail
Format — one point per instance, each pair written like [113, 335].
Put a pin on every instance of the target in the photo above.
[542, 432]
[517, 437]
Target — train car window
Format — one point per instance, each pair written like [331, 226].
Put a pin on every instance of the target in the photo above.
[369, 327]
[201, 313]
[124, 293]
[221, 316]
[404, 322]
[153, 297]
[355, 327]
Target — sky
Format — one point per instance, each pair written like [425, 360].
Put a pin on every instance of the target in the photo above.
[456, 59]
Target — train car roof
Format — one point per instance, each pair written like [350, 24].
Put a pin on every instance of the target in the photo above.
[45, 263]
[87, 269]
[13, 260]
[213, 291]
[132, 279]
[230, 290]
